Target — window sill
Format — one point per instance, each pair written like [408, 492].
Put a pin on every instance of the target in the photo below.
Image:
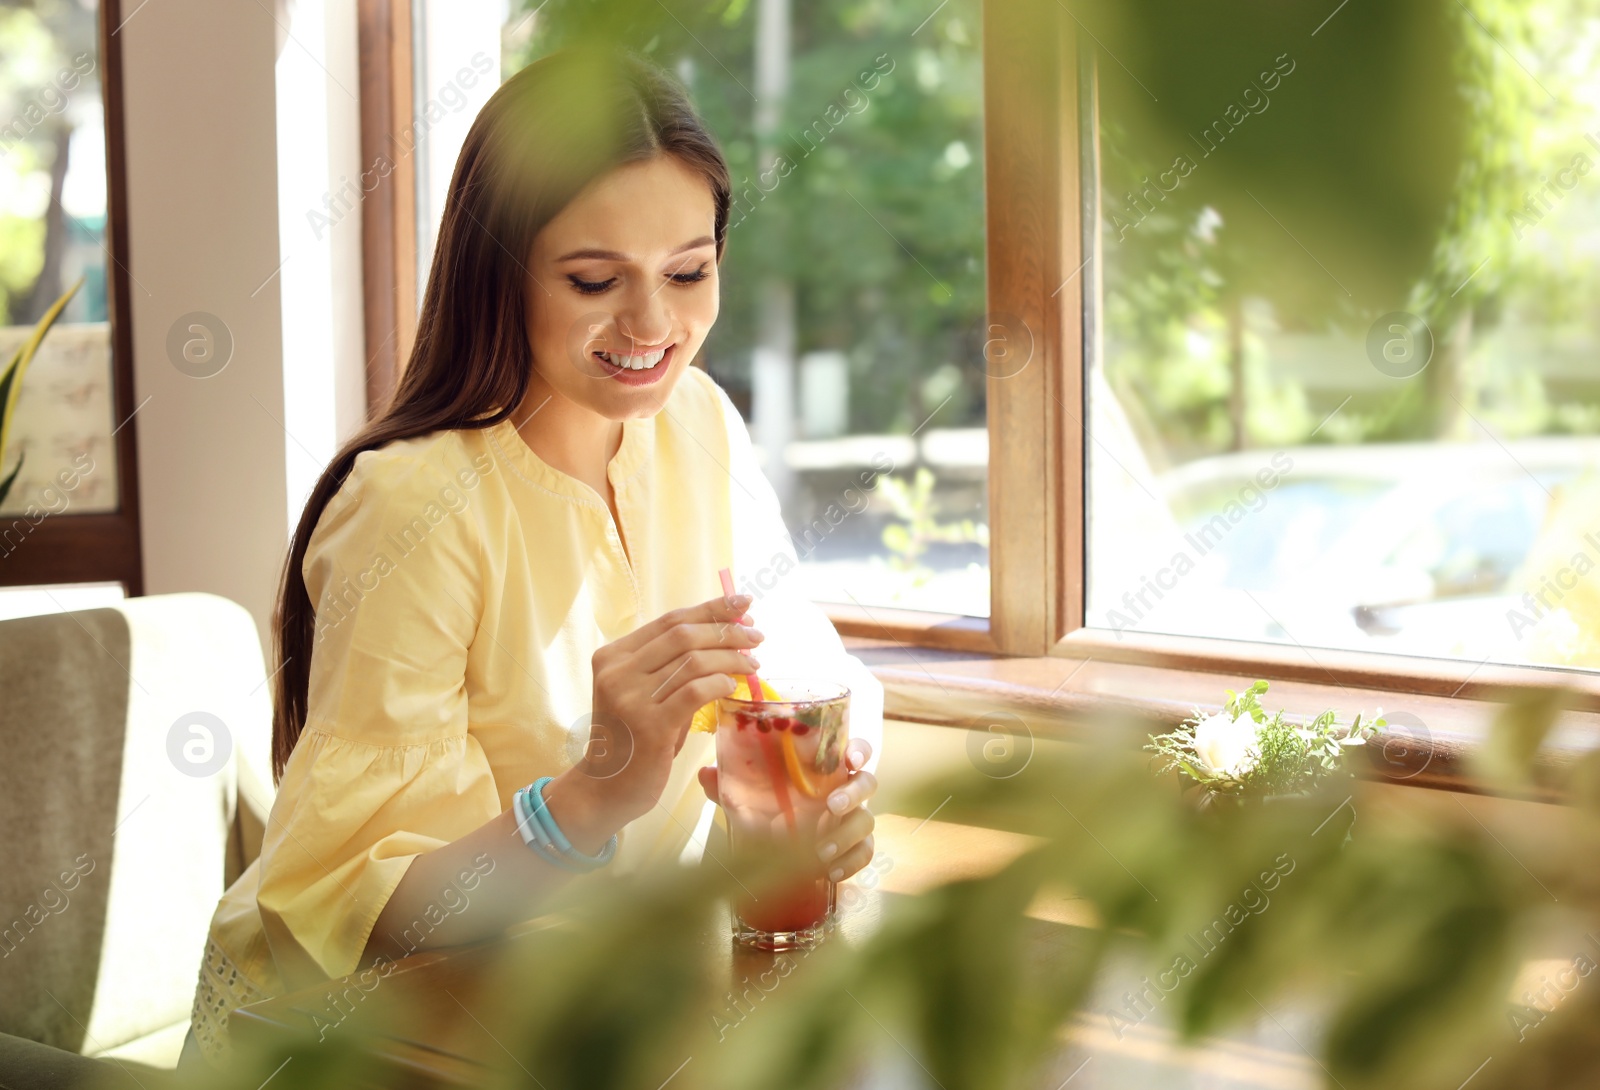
[1063, 698]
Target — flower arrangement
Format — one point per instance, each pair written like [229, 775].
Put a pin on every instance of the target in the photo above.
[1241, 752]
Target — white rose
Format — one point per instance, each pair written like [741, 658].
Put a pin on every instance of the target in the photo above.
[1225, 745]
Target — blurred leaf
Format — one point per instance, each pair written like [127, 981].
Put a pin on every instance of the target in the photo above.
[1516, 736]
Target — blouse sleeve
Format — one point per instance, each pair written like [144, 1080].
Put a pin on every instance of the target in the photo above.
[385, 768]
[800, 640]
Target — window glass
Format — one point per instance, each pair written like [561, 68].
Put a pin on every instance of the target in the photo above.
[52, 233]
[851, 328]
[1346, 391]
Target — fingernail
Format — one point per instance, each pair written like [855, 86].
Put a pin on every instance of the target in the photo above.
[740, 602]
[757, 634]
[836, 874]
[827, 852]
[838, 801]
[755, 663]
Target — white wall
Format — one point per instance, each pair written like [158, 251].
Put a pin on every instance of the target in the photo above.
[321, 182]
[218, 472]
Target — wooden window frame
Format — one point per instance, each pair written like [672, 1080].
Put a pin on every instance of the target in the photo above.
[102, 547]
[389, 213]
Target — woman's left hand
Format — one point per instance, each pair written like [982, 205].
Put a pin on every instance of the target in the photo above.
[844, 833]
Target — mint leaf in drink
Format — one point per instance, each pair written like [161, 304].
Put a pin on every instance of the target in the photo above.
[830, 725]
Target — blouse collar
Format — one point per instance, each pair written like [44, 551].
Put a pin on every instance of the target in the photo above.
[638, 436]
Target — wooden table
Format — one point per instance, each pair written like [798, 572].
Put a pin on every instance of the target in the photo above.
[912, 857]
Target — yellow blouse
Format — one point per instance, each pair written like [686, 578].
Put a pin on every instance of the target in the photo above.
[461, 586]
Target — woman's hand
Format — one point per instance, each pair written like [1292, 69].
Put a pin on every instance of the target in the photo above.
[647, 687]
[844, 833]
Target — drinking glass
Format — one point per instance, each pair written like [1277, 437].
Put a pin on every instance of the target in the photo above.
[777, 762]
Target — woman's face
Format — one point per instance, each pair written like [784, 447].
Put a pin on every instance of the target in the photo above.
[623, 288]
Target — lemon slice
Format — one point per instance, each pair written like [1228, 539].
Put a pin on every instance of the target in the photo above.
[705, 720]
[797, 772]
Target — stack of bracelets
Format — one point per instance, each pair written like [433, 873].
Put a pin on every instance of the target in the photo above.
[540, 832]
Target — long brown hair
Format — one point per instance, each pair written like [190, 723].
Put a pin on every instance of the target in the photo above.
[548, 131]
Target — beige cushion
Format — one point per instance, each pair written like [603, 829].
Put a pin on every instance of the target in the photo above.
[134, 812]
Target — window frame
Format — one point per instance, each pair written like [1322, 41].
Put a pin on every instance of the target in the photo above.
[384, 37]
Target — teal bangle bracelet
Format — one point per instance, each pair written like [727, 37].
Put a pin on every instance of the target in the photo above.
[547, 822]
[541, 814]
[540, 832]
[534, 836]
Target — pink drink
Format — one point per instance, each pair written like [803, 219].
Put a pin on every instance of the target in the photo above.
[777, 762]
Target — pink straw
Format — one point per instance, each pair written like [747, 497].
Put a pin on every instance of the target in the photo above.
[775, 766]
[750, 679]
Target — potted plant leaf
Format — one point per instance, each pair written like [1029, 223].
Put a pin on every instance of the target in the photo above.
[11, 382]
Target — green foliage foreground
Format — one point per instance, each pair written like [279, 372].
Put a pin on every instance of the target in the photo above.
[1403, 936]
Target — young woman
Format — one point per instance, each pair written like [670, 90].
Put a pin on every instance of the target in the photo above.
[512, 573]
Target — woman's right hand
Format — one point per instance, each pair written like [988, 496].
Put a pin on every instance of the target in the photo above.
[647, 687]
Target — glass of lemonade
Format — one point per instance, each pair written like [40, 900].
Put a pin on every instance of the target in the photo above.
[777, 762]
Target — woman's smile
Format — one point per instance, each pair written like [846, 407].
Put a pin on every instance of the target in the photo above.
[637, 368]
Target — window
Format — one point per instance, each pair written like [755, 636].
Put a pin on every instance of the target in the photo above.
[54, 182]
[854, 295]
[1346, 394]
[71, 512]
